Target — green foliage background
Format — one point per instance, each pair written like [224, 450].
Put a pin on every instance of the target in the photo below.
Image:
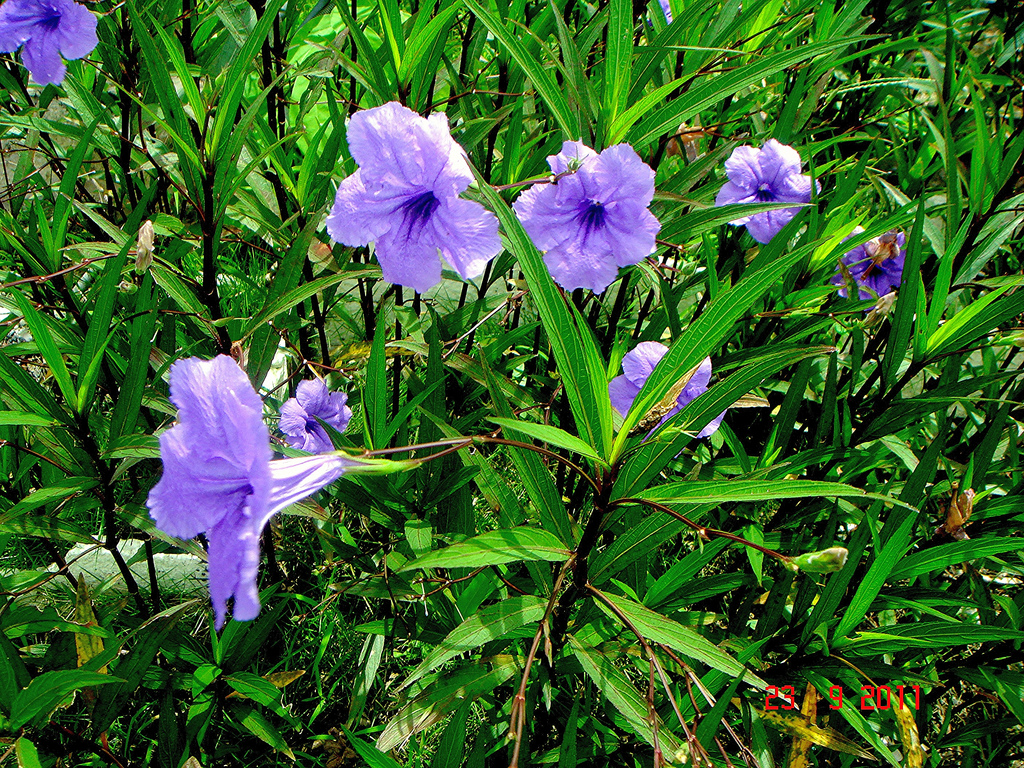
[500, 605]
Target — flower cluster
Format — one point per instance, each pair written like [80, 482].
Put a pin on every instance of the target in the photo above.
[404, 198]
[637, 367]
[219, 478]
[770, 174]
[45, 30]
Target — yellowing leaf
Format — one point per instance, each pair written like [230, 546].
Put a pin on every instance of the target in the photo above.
[87, 646]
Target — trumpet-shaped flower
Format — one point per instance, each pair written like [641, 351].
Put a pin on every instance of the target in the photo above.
[878, 264]
[299, 416]
[48, 29]
[770, 174]
[219, 477]
[405, 198]
[593, 219]
[637, 367]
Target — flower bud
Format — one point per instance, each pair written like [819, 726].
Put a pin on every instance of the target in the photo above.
[825, 561]
[144, 248]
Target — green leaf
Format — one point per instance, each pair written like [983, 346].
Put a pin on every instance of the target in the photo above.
[552, 436]
[251, 686]
[695, 100]
[45, 693]
[24, 419]
[572, 344]
[885, 561]
[368, 752]
[938, 559]
[13, 674]
[494, 548]
[47, 347]
[59, 491]
[375, 400]
[133, 665]
[704, 335]
[453, 741]
[26, 392]
[237, 76]
[903, 319]
[444, 695]
[27, 754]
[253, 721]
[538, 481]
[617, 688]
[722, 491]
[684, 640]
[420, 535]
[618, 57]
[931, 635]
[490, 623]
[978, 319]
[541, 79]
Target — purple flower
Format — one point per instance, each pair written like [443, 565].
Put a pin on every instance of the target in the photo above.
[219, 478]
[595, 220]
[48, 29]
[878, 264]
[667, 10]
[299, 416]
[405, 198]
[639, 364]
[767, 175]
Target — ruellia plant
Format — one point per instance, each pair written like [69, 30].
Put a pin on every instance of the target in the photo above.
[503, 384]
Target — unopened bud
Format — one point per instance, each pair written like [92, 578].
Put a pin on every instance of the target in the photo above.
[144, 248]
[881, 309]
[825, 561]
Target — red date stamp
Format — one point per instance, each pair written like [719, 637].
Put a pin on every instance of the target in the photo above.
[873, 697]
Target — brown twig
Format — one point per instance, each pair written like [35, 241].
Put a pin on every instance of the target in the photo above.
[517, 715]
[704, 533]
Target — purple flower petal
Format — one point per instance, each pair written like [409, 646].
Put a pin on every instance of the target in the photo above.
[589, 264]
[406, 260]
[219, 478]
[77, 31]
[876, 265]
[770, 174]
[361, 214]
[622, 392]
[216, 456]
[405, 198]
[234, 555]
[637, 367]
[778, 162]
[292, 480]
[467, 235]
[639, 364]
[18, 19]
[233, 561]
[46, 29]
[743, 167]
[41, 57]
[764, 226]
[300, 414]
[313, 395]
[594, 221]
